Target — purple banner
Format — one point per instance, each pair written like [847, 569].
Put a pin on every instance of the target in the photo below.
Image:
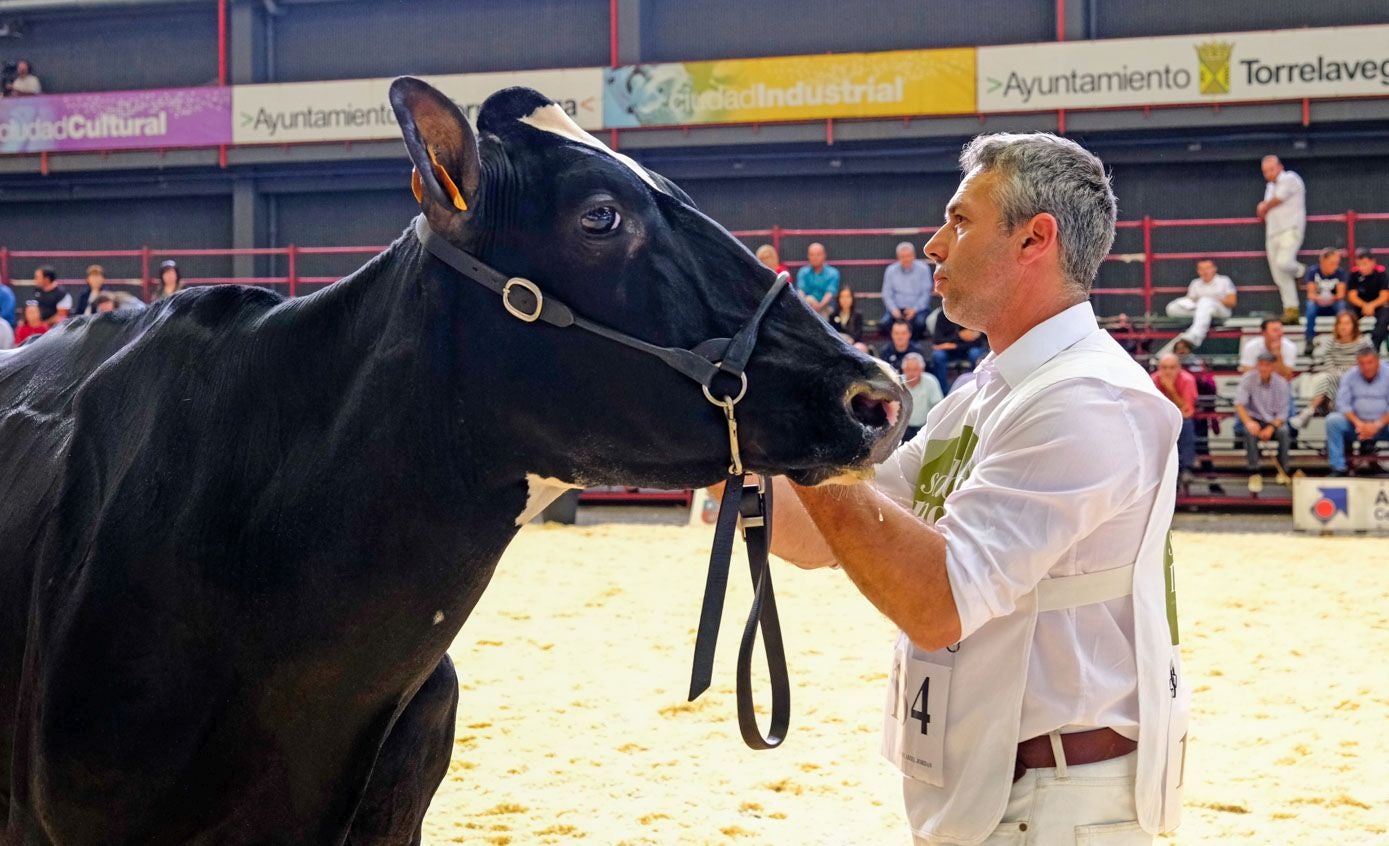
[168, 117]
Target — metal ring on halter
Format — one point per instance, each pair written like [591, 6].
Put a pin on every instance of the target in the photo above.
[726, 401]
[515, 312]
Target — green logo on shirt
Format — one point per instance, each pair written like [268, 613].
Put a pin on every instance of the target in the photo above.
[1170, 577]
[943, 469]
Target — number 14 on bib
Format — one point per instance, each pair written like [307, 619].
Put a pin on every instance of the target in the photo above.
[915, 722]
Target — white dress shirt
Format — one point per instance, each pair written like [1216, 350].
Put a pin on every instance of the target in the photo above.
[1257, 346]
[1292, 212]
[1219, 288]
[1063, 487]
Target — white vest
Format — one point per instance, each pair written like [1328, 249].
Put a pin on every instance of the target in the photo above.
[952, 716]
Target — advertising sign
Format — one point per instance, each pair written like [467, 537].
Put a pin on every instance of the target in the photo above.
[1339, 504]
[904, 82]
[168, 117]
[360, 110]
[1227, 67]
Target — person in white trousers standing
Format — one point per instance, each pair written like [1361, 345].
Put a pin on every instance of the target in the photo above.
[1284, 213]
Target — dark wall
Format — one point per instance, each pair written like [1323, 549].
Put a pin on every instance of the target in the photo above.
[135, 48]
[365, 218]
[712, 29]
[347, 40]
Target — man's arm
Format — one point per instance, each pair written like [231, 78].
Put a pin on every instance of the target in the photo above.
[890, 294]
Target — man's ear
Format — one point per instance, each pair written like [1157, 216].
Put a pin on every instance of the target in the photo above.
[442, 147]
[1039, 237]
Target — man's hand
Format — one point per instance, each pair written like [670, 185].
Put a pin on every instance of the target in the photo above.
[897, 314]
[1261, 209]
[949, 345]
[1266, 433]
[908, 314]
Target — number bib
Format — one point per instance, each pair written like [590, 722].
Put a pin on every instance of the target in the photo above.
[914, 721]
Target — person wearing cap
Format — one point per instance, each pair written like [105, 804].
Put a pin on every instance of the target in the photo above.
[1019, 541]
[1368, 295]
[170, 280]
[96, 279]
[907, 288]
[1262, 401]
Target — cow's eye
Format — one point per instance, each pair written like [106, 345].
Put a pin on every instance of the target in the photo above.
[601, 220]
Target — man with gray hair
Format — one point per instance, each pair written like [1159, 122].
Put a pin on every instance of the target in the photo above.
[906, 292]
[1262, 401]
[1020, 539]
[1284, 213]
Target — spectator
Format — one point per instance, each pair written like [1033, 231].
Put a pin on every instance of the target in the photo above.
[1261, 401]
[900, 345]
[33, 323]
[845, 317]
[6, 336]
[96, 279]
[767, 254]
[1122, 330]
[55, 304]
[1270, 339]
[952, 343]
[170, 280]
[1326, 289]
[103, 303]
[1369, 295]
[907, 288]
[25, 84]
[1206, 394]
[1209, 295]
[1362, 410]
[1180, 386]
[1333, 355]
[926, 394]
[817, 282]
[116, 301]
[7, 303]
[1284, 213]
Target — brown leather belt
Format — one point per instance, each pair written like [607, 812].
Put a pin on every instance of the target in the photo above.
[1082, 747]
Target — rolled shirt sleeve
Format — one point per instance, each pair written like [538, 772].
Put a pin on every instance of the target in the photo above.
[1053, 474]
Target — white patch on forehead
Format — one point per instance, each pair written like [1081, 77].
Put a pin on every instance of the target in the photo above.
[541, 492]
[556, 121]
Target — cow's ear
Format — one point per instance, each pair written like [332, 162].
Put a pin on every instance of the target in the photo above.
[442, 147]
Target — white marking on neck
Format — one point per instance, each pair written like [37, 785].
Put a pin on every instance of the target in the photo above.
[541, 492]
[556, 121]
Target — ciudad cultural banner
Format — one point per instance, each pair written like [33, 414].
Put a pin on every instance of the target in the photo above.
[1186, 69]
[167, 117]
[848, 85]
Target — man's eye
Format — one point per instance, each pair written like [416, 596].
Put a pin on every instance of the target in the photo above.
[603, 220]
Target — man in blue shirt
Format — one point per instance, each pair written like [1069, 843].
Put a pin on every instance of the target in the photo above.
[818, 283]
[6, 304]
[1362, 409]
[907, 288]
[1326, 290]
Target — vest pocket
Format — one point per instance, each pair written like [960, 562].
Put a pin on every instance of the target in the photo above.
[1113, 834]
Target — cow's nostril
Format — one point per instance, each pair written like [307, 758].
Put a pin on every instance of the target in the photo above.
[873, 410]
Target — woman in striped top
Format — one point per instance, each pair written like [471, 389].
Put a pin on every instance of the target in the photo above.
[1332, 355]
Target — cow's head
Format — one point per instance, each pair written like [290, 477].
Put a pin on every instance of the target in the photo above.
[535, 196]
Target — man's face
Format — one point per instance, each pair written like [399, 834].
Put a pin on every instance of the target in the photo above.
[1330, 264]
[169, 276]
[905, 256]
[912, 369]
[901, 335]
[816, 256]
[96, 280]
[1365, 264]
[1205, 270]
[31, 315]
[1265, 370]
[974, 274]
[42, 281]
[1273, 337]
[1369, 366]
[1271, 169]
[22, 69]
[1168, 367]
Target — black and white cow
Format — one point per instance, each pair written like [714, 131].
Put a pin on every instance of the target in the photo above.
[240, 532]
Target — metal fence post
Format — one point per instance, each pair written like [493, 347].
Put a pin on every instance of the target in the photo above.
[1147, 265]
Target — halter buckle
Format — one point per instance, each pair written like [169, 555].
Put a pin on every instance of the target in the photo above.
[526, 284]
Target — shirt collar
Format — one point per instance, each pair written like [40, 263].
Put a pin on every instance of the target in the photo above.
[1042, 342]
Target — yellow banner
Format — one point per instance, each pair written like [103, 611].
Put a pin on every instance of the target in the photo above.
[851, 85]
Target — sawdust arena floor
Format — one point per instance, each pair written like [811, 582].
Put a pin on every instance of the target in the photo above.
[573, 726]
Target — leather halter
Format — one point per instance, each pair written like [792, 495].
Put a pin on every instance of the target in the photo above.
[524, 300]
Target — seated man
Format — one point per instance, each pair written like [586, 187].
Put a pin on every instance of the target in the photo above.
[1180, 386]
[1326, 289]
[1261, 401]
[907, 286]
[926, 394]
[950, 343]
[1368, 295]
[817, 282]
[900, 345]
[1209, 295]
[1362, 409]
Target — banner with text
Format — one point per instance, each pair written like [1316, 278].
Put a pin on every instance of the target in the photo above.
[1185, 69]
[167, 117]
[360, 110]
[850, 85]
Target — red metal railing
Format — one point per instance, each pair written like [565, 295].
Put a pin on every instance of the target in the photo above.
[293, 280]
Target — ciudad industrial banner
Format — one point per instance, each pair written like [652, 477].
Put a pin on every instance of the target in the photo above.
[1185, 69]
[360, 109]
[848, 85]
[168, 117]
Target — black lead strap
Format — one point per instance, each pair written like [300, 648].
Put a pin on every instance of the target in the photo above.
[750, 504]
